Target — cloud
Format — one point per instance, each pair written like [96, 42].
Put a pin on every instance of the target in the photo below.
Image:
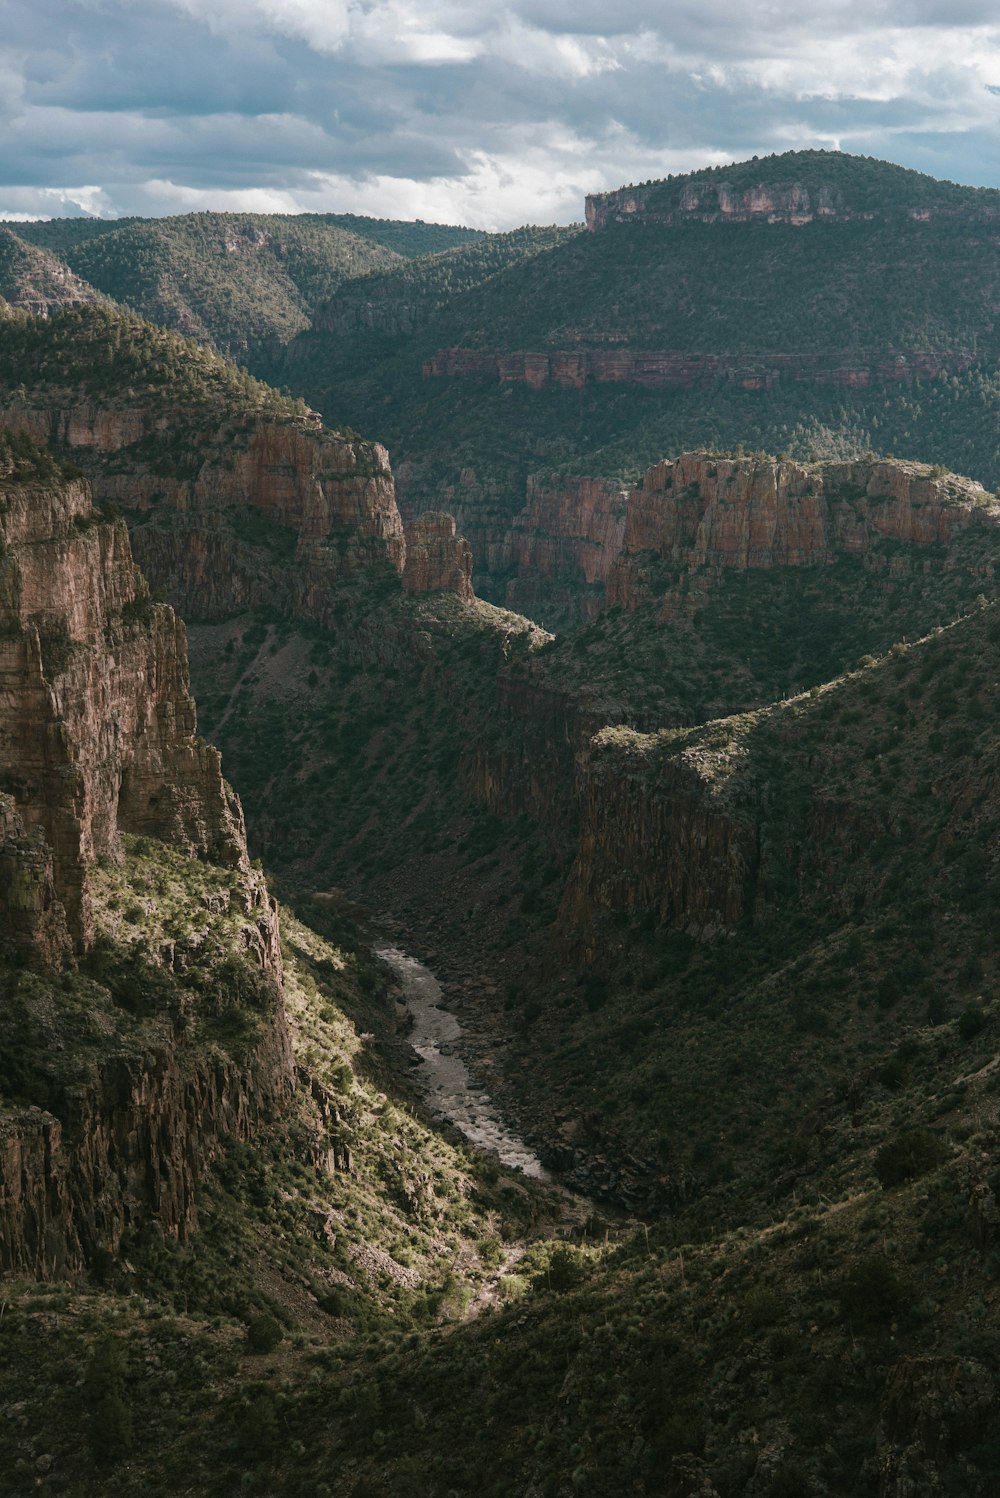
[485, 113]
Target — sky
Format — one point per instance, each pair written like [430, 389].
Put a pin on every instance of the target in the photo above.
[469, 111]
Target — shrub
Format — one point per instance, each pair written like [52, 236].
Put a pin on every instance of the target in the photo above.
[110, 1422]
[970, 1022]
[263, 1334]
[872, 1292]
[911, 1153]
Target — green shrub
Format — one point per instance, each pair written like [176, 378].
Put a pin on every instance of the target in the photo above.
[911, 1153]
[971, 1022]
[871, 1292]
[263, 1334]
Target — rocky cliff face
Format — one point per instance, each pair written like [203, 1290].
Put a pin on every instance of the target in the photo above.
[97, 741]
[213, 519]
[562, 546]
[699, 511]
[129, 1150]
[654, 837]
[437, 558]
[267, 513]
[670, 370]
[96, 721]
[778, 202]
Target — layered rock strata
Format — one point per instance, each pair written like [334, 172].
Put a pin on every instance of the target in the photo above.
[436, 558]
[562, 546]
[788, 202]
[97, 726]
[263, 513]
[97, 739]
[700, 512]
[661, 369]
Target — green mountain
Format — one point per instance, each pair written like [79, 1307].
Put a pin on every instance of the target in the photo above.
[238, 281]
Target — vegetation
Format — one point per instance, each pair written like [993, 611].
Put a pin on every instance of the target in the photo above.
[235, 280]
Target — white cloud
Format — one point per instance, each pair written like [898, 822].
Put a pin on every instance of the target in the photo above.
[470, 110]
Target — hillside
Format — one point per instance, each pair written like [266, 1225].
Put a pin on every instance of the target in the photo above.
[36, 281]
[237, 281]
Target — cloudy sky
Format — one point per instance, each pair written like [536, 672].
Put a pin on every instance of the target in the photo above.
[469, 111]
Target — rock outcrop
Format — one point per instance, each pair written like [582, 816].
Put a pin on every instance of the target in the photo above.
[701, 511]
[437, 558]
[709, 198]
[655, 837]
[562, 546]
[130, 1150]
[97, 726]
[653, 369]
[253, 513]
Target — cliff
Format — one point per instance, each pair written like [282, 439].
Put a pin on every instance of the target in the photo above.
[656, 837]
[673, 370]
[796, 188]
[97, 746]
[436, 558]
[562, 546]
[97, 727]
[253, 512]
[699, 512]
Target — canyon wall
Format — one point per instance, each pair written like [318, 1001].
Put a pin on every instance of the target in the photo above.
[706, 512]
[97, 739]
[656, 838]
[562, 546]
[233, 514]
[437, 558]
[719, 202]
[673, 370]
[97, 726]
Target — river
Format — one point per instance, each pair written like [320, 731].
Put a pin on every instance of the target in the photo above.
[443, 1076]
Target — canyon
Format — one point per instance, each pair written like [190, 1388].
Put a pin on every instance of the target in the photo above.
[707, 879]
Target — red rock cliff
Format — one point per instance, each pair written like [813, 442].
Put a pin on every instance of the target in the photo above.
[701, 511]
[96, 740]
[236, 515]
[437, 558]
[97, 726]
[663, 369]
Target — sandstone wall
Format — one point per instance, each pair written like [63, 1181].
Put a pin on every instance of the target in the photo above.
[437, 558]
[97, 725]
[236, 516]
[666, 369]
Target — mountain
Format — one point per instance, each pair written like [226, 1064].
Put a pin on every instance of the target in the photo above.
[238, 281]
[831, 306]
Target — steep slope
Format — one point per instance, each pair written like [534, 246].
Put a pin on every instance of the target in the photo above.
[36, 281]
[236, 495]
[98, 736]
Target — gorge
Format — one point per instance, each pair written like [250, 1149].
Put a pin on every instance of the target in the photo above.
[673, 762]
